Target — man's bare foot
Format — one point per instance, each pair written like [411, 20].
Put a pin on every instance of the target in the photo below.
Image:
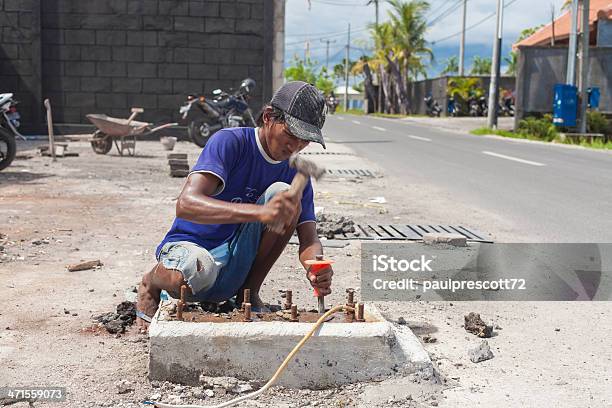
[257, 305]
[148, 301]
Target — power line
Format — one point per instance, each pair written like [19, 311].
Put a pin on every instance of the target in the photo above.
[473, 25]
[445, 13]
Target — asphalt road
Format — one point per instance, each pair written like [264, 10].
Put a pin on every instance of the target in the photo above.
[550, 193]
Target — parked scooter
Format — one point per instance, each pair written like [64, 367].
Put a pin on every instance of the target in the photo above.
[432, 106]
[478, 106]
[332, 103]
[453, 107]
[9, 122]
[206, 116]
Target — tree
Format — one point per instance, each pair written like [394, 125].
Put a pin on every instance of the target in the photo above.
[306, 71]
[512, 61]
[451, 66]
[481, 66]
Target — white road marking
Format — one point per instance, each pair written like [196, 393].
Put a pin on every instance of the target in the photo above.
[356, 122]
[379, 128]
[516, 159]
[424, 139]
[340, 117]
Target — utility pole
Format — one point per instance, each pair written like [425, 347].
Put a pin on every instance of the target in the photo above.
[584, 67]
[375, 6]
[552, 23]
[327, 42]
[494, 85]
[462, 44]
[346, 68]
[571, 52]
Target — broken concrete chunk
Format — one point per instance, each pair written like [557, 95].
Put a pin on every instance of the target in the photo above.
[457, 240]
[481, 353]
[123, 387]
[82, 266]
[475, 325]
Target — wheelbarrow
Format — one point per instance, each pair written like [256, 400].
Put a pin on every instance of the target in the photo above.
[121, 132]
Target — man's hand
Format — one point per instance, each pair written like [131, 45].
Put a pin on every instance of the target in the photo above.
[283, 206]
[322, 280]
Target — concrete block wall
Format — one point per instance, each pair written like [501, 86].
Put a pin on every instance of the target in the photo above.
[104, 56]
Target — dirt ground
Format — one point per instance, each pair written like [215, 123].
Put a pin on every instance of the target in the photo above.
[117, 209]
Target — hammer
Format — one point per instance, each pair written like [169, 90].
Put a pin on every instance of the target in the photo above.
[305, 169]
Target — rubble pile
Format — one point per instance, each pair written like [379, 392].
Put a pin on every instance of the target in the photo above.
[330, 225]
[116, 322]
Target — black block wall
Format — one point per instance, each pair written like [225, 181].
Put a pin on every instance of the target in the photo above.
[105, 56]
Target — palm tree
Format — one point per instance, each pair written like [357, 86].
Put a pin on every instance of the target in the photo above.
[481, 66]
[451, 66]
[512, 61]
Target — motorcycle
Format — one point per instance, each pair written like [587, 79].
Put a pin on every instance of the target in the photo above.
[9, 122]
[506, 107]
[206, 116]
[432, 106]
[332, 104]
[478, 106]
[453, 107]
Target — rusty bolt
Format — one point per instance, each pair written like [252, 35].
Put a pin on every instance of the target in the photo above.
[294, 313]
[247, 312]
[288, 299]
[181, 303]
[246, 298]
[350, 297]
[360, 314]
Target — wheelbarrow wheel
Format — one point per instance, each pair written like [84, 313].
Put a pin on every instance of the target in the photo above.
[101, 143]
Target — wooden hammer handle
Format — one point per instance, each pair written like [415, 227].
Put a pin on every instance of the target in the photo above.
[295, 190]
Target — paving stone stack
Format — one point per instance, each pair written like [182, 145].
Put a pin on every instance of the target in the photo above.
[179, 166]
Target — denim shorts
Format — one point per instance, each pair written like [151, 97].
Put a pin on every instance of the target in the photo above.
[217, 274]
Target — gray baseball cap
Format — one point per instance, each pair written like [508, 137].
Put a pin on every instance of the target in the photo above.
[304, 108]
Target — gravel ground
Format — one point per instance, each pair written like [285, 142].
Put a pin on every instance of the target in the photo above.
[117, 209]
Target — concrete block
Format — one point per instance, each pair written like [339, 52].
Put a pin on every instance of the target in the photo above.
[457, 240]
[142, 7]
[79, 99]
[173, 39]
[187, 86]
[111, 69]
[111, 100]
[62, 52]
[157, 23]
[146, 38]
[96, 84]
[18, 5]
[157, 86]
[80, 37]
[203, 8]
[203, 40]
[130, 85]
[218, 56]
[95, 53]
[178, 71]
[157, 54]
[80, 68]
[52, 36]
[195, 24]
[220, 25]
[250, 27]
[145, 101]
[25, 20]
[197, 71]
[173, 7]
[130, 54]
[142, 70]
[189, 55]
[338, 353]
[110, 37]
[229, 9]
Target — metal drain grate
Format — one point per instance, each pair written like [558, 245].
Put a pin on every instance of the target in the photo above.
[350, 173]
[330, 153]
[412, 232]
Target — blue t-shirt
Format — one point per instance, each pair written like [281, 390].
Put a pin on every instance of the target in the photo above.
[237, 157]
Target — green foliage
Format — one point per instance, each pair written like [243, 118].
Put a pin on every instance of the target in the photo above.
[528, 32]
[541, 129]
[451, 66]
[512, 61]
[481, 66]
[306, 71]
[597, 123]
[463, 88]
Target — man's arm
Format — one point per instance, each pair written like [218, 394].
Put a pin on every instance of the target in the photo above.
[310, 247]
[195, 204]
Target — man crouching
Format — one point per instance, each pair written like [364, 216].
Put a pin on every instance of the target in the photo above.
[218, 244]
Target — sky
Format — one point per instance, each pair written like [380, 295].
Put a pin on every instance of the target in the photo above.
[328, 20]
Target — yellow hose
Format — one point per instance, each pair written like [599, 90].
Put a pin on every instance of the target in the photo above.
[276, 375]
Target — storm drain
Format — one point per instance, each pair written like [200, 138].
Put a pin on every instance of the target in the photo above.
[330, 153]
[349, 173]
[409, 232]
